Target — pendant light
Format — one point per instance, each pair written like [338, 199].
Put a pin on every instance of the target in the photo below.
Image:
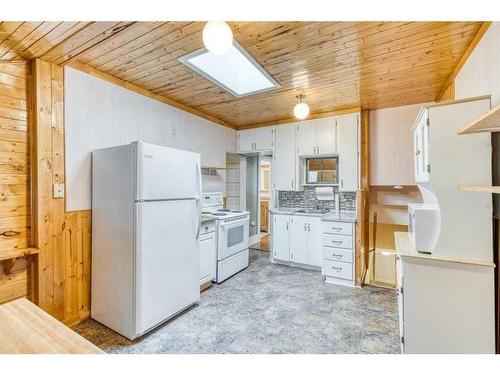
[217, 37]
[301, 109]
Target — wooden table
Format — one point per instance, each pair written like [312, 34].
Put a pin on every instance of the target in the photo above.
[27, 329]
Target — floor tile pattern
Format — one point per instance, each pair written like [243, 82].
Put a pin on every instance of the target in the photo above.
[270, 308]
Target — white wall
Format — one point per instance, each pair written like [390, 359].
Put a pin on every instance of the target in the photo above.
[100, 114]
[480, 75]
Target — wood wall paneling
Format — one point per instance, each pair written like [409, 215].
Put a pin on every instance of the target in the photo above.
[63, 267]
[15, 231]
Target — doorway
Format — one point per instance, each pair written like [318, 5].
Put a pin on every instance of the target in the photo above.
[264, 203]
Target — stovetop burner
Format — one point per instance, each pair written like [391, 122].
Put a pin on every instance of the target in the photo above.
[218, 214]
[223, 210]
[205, 212]
[236, 211]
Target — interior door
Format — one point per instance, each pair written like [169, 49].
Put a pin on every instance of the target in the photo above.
[284, 158]
[298, 239]
[167, 173]
[281, 237]
[326, 136]
[167, 260]
[347, 140]
[314, 242]
[306, 138]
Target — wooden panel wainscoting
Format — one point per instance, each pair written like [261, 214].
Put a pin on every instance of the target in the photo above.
[78, 245]
[15, 231]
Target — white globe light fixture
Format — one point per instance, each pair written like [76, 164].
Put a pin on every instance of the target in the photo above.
[217, 37]
[301, 110]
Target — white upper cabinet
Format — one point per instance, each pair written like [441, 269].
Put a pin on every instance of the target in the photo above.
[348, 140]
[326, 133]
[307, 139]
[317, 137]
[254, 140]
[284, 158]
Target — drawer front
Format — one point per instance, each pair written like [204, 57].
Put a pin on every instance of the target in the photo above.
[333, 268]
[207, 227]
[335, 227]
[340, 255]
[332, 240]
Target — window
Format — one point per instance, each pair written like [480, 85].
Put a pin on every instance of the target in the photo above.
[236, 71]
[322, 171]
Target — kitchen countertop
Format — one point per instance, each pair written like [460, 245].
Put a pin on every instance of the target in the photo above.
[344, 216]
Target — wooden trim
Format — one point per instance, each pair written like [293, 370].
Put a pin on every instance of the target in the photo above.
[130, 86]
[18, 253]
[480, 189]
[477, 38]
[291, 120]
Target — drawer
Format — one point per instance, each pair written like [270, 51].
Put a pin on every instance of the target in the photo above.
[333, 268]
[207, 227]
[335, 227]
[332, 240]
[340, 255]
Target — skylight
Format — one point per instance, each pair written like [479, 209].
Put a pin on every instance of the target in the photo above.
[236, 71]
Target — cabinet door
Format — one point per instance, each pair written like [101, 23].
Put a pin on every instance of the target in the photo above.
[306, 138]
[281, 237]
[284, 158]
[314, 242]
[264, 138]
[425, 148]
[246, 141]
[347, 141]
[207, 257]
[298, 239]
[326, 136]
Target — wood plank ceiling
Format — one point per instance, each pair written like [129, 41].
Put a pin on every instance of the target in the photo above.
[335, 64]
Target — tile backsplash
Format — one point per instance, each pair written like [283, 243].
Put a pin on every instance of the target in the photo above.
[307, 199]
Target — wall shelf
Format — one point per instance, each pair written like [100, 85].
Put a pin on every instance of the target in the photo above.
[17, 253]
[489, 122]
[480, 189]
[210, 171]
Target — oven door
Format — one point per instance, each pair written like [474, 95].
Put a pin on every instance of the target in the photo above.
[232, 238]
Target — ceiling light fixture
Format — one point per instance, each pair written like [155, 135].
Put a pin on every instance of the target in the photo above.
[217, 37]
[301, 109]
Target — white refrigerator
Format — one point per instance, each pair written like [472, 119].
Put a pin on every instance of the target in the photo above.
[145, 228]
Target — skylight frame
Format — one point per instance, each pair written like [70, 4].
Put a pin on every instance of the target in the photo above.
[185, 60]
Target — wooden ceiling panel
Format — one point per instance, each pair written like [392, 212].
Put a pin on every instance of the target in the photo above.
[335, 64]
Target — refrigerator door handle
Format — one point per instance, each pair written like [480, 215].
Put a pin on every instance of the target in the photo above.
[198, 198]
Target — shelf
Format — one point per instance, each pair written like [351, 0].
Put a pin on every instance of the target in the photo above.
[480, 189]
[17, 253]
[489, 122]
[210, 171]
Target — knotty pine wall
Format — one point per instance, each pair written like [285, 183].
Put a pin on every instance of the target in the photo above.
[63, 266]
[14, 177]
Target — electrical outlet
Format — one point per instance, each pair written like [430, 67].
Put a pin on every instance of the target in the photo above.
[58, 190]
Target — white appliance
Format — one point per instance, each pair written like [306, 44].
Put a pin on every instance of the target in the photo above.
[232, 235]
[424, 222]
[145, 230]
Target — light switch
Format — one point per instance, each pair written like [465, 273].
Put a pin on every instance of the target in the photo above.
[58, 190]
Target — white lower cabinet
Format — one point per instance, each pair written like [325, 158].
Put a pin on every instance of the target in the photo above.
[207, 252]
[297, 239]
[337, 262]
[281, 237]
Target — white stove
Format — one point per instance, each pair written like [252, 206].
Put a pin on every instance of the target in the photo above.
[231, 234]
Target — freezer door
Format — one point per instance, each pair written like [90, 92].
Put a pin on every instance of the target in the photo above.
[167, 260]
[167, 173]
